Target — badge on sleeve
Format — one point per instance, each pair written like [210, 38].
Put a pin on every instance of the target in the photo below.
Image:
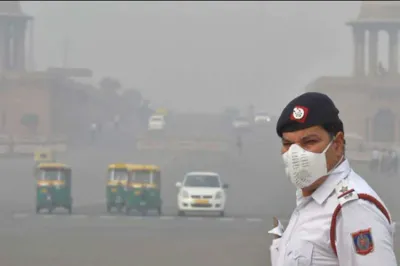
[363, 242]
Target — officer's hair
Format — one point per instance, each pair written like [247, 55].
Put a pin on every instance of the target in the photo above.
[334, 128]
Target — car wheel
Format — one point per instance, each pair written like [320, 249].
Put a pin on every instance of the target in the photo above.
[181, 213]
[222, 213]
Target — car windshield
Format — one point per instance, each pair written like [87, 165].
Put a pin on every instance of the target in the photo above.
[202, 181]
[51, 174]
[118, 175]
[142, 177]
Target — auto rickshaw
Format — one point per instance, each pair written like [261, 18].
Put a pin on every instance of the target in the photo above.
[117, 178]
[143, 190]
[53, 187]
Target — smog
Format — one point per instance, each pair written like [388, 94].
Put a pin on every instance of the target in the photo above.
[145, 132]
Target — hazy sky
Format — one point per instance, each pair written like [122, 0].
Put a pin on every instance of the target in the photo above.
[200, 56]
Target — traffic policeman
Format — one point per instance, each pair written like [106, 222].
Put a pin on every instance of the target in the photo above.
[339, 219]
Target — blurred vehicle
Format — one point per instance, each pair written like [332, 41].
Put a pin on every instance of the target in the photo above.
[43, 155]
[156, 122]
[117, 178]
[262, 118]
[143, 190]
[53, 187]
[241, 123]
[201, 192]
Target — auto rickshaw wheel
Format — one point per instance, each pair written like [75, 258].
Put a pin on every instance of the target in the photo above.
[159, 210]
[120, 208]
[37, 209]
[108, 208]
[70, 210]
[127, 211]
[51, 210]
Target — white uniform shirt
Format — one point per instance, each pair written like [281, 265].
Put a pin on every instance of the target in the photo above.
[306, 240]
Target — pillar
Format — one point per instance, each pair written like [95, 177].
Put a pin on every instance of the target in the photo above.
[19, 45]
[3, 37]
[373, 52]
[7, 46]
[393, 52]
[15, 48]
[31, 58]
[359, 51]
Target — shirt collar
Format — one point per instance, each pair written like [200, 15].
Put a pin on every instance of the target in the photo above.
[325, 190]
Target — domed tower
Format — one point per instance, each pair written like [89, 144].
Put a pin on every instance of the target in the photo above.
[376, 16]
[13, 25]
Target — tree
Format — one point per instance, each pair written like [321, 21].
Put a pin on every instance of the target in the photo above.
[110, 85]
[133, 97]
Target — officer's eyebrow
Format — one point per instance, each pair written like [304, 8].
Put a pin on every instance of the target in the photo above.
[312, 135]
[286, 140]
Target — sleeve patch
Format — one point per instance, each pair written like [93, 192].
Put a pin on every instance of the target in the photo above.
[363, 242]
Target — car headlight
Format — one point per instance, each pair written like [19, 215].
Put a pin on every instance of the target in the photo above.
[218, 195]
[185, 194]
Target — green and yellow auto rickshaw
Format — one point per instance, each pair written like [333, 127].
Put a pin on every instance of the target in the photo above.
[117, 178]
[143, 190]
[53, 187]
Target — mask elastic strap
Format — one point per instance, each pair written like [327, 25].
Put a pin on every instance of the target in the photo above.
[336, 165]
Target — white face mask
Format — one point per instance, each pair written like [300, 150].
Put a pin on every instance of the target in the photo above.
[304, 167]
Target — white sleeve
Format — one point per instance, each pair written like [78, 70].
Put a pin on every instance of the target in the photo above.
[364, 236]
[274, 249]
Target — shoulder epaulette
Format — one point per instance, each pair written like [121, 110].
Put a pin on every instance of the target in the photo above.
[345, 193]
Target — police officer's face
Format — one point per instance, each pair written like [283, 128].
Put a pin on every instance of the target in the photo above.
[316, 139]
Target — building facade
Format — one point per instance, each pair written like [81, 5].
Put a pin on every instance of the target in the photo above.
[369, 99]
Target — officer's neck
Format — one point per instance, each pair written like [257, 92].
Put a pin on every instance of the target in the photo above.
[309, 190]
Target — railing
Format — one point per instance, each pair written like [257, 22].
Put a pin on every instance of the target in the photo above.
[27, 146]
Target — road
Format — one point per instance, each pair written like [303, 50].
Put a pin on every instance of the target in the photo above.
[258, 190]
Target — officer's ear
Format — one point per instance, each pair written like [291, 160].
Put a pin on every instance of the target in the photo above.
[339, 142]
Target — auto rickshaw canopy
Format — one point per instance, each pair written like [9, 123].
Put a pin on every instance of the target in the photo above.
[126, 166]
[53, 166]
[145, 167]
[134, 167]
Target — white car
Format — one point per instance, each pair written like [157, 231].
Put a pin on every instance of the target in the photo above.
[241, 122]
[201, 192]
[156, 122]
[261, 118]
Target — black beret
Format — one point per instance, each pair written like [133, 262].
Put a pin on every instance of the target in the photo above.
[307, 110]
